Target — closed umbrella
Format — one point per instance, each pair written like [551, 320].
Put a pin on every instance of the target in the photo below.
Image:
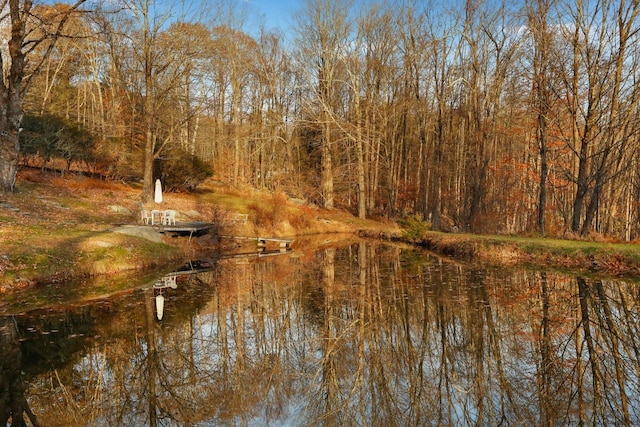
[158, 194]
[159, 306]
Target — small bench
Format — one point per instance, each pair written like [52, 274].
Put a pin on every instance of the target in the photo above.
[240, 218]
[283, 244]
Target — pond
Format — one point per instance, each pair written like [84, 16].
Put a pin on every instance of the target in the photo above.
[361, 334]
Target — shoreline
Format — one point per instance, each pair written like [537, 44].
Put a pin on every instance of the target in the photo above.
[57, 229]
[614, 260]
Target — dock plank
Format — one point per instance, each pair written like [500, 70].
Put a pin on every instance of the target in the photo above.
[192, 228]
[284, 244]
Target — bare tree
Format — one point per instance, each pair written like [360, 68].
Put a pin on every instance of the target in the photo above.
[441, 69]
[600, 93]
[21, 22]
[487, 54]
[323, 29]
[411, 137]
[538, 15]
[151, 70]
[273, 97]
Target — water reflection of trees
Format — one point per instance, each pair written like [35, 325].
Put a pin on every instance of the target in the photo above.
[365, 334]
[13, 402]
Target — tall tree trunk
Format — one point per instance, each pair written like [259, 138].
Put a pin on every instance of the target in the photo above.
[581, 188]
[544, 171]
[362, 205]
[538, 12]
[594, 201]
[236, 137]
[11, 97]
[359, 140]
[327, 167]
[147, 176]
[436, 184]
[9, 152]
[148, 158]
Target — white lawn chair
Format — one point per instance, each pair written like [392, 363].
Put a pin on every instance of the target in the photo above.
[169, 217]
[146, 217]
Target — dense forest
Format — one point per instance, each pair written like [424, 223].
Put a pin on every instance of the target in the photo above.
[482, 116]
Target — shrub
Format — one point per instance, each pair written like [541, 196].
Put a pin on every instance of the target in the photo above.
[272, 212]
[52, 137]
[414, 228]
[183, 171]
[115, 160]
[278, 208]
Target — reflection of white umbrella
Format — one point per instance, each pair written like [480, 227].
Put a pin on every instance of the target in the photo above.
[159, 306]
[158, 194]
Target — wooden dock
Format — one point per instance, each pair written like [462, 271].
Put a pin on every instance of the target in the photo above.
[282, 244]
[183, 228]
[199, 228]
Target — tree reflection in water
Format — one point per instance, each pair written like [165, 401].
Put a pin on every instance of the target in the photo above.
[13, 402]
[357, 335]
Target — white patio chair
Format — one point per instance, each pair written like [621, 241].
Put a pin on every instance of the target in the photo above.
[146, 217]
[169, 217]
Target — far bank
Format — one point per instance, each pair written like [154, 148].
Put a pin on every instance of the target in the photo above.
[588, 257]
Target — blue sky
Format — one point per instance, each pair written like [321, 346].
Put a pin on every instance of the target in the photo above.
[277, 13]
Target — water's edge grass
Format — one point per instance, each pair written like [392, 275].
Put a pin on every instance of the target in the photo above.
[588, 257]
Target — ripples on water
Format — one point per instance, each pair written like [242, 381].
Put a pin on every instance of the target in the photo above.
[356, 335]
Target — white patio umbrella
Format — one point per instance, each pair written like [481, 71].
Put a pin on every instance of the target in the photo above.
[159, 306]
[158, 193]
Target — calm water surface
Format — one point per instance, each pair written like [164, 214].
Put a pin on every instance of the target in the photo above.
[364, 334]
